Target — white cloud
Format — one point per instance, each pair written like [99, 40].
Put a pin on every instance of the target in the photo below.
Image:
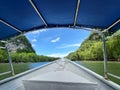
[59, 54]
[35, 32]
[33, 45]
[70, 45]
[55, 40]
[39, 31]
[34, 40]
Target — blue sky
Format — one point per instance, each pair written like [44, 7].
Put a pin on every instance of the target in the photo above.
[57, 42]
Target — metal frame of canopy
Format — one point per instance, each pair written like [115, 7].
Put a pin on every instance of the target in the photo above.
[74, 26]
[9, 59]
[88, 29]
[46, 24]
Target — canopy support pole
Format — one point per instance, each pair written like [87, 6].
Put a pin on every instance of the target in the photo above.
[76, 14]
[37, 11]
[11, 26]
[112, 25]
[10, 61]
[105, 56]
[88, 29]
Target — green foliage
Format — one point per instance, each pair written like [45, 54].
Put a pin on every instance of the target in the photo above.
[25, 57]
[30, 57]
[74, 56]
[3, 56]
[92, 49]
[25, 42]
[95, 37]
[24, 52]
[113, 48]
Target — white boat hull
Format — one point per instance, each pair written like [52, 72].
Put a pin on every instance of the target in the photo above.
[61, 74]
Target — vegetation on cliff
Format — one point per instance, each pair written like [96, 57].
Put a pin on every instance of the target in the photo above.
[21, 51]
[92, 48]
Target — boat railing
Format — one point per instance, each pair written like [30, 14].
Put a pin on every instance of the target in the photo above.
[9, 59]
[4, 73]
[115, 76]
[106, 73]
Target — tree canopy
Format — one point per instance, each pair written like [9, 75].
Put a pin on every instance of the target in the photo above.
[92, 48]
[22, 51]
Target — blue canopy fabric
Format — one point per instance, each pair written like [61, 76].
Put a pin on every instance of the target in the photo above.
[57, 13]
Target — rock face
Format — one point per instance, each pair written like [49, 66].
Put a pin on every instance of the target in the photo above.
[20, 44]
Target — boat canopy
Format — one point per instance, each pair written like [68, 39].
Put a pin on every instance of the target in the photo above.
[20, 16]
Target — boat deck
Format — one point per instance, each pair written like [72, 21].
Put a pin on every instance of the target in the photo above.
[61, 76]
[58, 75]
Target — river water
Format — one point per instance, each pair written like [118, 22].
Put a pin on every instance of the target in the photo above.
[34, 65]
